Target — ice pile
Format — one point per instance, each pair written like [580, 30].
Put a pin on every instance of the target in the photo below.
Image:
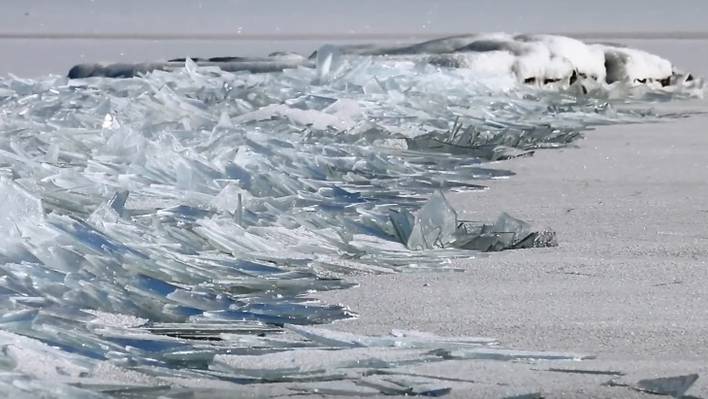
[208, 204]
[437, 225]
[236, 361]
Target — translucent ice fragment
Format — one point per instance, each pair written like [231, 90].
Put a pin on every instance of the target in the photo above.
[671, 386]
[339, 388]
[110, 211]
[231, 201]
[19, 208]
[328, 61]
[434, 226]
[401, 387]
[6, 92]
[508, 354]
[398, 339]
[191, 67]
[403, 223]
[311, 361]
[210, 330]
[421, 336]
[506, 233]
[311, 102]
[52, 155]
[510, 229]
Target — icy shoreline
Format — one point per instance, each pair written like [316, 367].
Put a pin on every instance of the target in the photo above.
[627, 282]
[213, 204]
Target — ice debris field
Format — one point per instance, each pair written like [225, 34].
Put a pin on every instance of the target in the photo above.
[167, 227]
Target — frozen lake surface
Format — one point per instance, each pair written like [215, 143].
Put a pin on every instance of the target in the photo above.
[174, 227]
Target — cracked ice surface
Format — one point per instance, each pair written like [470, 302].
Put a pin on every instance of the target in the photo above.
[206, 205]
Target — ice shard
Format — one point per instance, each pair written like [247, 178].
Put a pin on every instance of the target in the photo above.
[506, 233]
[20, 208]
[670, 386]
[436, 225]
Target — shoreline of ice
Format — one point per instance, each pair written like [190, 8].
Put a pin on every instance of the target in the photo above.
[213, 204]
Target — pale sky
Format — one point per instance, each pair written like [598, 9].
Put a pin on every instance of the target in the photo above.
[360, 16]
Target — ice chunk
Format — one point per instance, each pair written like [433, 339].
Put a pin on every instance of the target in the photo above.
[231, 200]
[670, 386]
[434, 225]
[5, 92]
[20, 208]
[586, 371]
[210, 330]
[408, 339]
[507, 233]
[111, 211]
[407, 388]
[509, 355]
[328, 62]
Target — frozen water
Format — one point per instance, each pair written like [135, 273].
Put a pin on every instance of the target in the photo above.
[201, 205]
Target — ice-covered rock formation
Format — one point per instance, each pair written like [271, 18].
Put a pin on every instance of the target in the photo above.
[537, 59]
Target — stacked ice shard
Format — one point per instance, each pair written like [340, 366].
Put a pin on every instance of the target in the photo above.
[207, 204]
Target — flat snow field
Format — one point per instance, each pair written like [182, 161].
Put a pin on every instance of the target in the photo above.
[628, 283]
